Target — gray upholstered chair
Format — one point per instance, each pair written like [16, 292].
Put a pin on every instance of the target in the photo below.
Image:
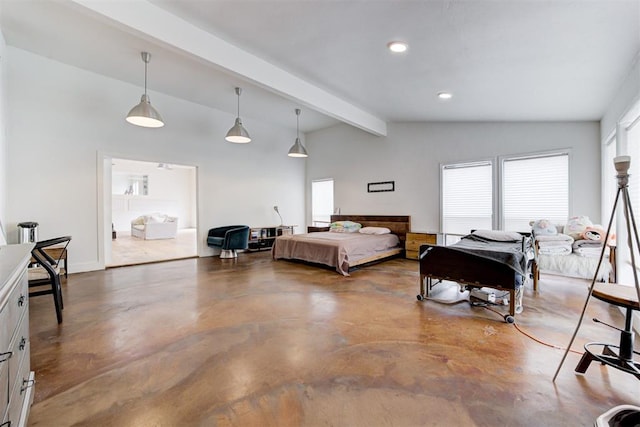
[229, 238]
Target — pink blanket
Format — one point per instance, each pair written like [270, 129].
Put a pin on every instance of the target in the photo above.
[333, 249]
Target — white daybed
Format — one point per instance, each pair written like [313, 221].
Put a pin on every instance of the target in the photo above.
[564, 255]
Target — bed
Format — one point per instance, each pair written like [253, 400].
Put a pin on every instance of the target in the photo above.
[344, 251]
[484, 258]
[576, 254]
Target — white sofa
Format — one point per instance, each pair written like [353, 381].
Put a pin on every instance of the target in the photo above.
[154, 226]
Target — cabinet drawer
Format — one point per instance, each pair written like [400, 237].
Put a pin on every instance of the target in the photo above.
[20, 390]
[10, 314]
[4, 388]
[412, 254]
[415, 240]
[19, 300]
[19, 348]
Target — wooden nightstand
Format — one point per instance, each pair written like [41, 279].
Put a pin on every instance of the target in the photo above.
[415, 240]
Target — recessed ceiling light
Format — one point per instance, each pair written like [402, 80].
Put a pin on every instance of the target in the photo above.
[445, 95]
[397, 47]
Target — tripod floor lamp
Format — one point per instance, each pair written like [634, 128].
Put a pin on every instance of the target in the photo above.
[618, 356]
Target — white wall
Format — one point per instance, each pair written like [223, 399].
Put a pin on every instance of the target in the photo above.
[3, 138]
[627, 95]
[411, 155]
[63, 121]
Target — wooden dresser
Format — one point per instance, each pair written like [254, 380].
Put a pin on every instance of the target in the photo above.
[16, 377]
[415, 240]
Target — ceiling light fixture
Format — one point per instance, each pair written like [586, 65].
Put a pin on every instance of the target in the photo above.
[238, 133]
[397, 47]
[297, 149]
[144, 114]
[445, 95]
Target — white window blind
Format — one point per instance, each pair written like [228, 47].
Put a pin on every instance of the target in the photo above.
[321, 201]
[534, 188]
[467, 200]
[610, 183]
[633, 146]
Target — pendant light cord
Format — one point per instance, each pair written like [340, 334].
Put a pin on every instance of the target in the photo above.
[145, 76]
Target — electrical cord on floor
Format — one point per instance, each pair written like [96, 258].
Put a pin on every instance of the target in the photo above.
[526, 334]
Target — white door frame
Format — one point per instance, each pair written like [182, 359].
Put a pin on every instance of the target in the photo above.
[104, 203]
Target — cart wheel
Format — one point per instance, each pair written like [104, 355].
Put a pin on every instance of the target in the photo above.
[509, 318]
[420, 297]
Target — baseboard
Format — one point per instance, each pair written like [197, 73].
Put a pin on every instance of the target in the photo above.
[84, 267]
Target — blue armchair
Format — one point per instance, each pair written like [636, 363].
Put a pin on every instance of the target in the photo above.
[229, 238]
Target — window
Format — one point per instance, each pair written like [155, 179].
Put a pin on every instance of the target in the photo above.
[610, 186]
[625, 273]
[633, 147]
[321, 202]
[534, 187]
[467, 197]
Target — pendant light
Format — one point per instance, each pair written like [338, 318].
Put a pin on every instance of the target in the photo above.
[144, 114]
[238, 133]
[297, 149]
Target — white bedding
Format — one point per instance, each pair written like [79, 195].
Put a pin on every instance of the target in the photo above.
[574, 266]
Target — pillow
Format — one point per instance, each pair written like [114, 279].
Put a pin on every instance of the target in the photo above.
[576, 226]
[156, 219]
[597, 233]
[345, 227]
[499, 235]
[594, 233]
[375, 230]
[544, 227]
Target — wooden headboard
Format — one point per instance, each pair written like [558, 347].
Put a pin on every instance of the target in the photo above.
[398, 224]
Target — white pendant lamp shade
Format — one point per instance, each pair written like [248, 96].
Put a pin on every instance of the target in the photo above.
[297, 149]
[144, 114]
[238, 133]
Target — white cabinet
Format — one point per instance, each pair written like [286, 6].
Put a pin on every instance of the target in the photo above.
[16, 377]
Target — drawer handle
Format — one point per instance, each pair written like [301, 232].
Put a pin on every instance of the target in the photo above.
[27, 384]
[23, 343]
[5, 356]
[7, 424]
[21, 300]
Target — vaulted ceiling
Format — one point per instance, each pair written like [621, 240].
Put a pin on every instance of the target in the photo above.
[502, 60]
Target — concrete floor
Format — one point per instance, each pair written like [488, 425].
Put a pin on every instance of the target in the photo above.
[256, 342]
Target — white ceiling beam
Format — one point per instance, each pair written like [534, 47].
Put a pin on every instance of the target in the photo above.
[155, 22]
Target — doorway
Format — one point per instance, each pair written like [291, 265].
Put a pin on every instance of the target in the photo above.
[153, 212]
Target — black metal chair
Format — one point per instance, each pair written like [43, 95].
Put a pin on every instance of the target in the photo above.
[44, 272]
